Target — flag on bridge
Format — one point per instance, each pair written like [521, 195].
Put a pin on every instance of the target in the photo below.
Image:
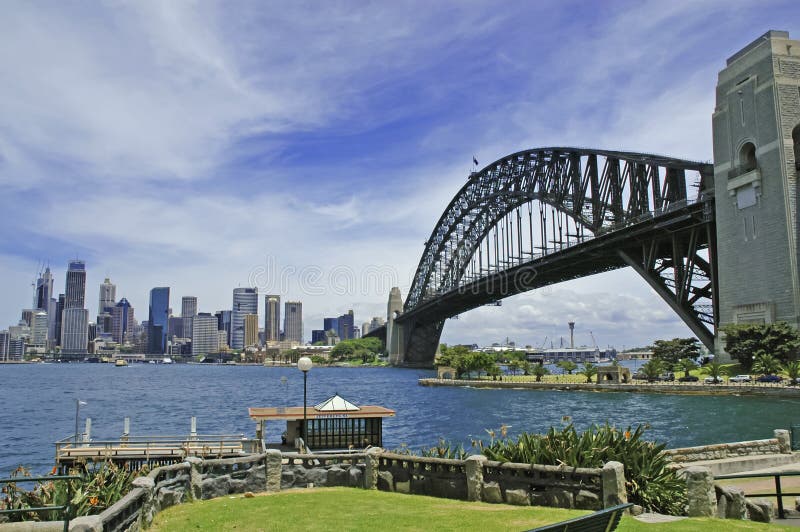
[474, 160]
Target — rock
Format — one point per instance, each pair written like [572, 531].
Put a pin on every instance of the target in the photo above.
[636, 510]
[558, 498]
[586, 500]
[402, 487]
[356, 477]
[722, 506]
[491, 492]
[538, 498]
[518, 497]
[797, 503]
[287, 480]
[166, 497]
[249, 495]
[337, 476]
[759, 510]
[317, 476]
[731, 503]
[215, 487]
[700, 492]
[385, 481]
[88, 523]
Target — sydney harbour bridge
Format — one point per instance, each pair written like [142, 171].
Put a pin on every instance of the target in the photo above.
[547, 215]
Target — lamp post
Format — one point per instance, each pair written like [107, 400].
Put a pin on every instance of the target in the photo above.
[304, 364]
[78, 404]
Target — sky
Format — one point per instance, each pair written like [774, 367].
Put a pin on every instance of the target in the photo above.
[308, 148]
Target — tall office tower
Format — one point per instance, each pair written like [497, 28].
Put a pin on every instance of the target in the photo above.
[157, 320]
[107, 298]
[224, 324]
[205, 334]
[376, 323]
[245, 301]
[52, 321]
[250, 330]
[122, 322]
[39, 329]
[59, 318]
[76, 285]
[318, 336]
[175, 328]
[272, 318]
[75, 319]
[331, 324]
[293, 321]
[27, 316]
[364, 328]
[44, 290]
[5, 345]
[756, 130]
[105, 323]
[346, 326]
[188, 311]
[75, 331]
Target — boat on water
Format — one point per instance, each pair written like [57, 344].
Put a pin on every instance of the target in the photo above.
[121, 362]
[166, 360]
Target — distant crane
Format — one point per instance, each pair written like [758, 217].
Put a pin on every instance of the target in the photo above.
[594, 342]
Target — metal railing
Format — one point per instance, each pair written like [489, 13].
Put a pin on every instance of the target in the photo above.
[779, 493]
[64, 508]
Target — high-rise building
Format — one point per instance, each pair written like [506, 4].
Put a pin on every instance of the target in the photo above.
[107, 298]
[27, 316]
[158, 318]
[59, 318]
[5, 346]
[39, 329]
[75, 331]
[44, 290]
[76, 285]
[224, 324]
[293, 321]
[245, 301]
[331, 324]
[317, 336]
[122, 322]
[272, 318]
[205, 334]
[250, 330]
[175, 328]
[188, 311]
[346, 323]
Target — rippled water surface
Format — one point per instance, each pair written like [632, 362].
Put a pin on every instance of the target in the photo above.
[38, 406]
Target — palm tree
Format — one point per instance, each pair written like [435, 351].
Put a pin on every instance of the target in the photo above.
[539, 371]
[653, 369]
[494, 372]
[793, 371]
[513, 367]
[685, 365]
[765, 364]
[714, 370]
[589, 370]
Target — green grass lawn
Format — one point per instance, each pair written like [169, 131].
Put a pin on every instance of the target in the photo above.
[354, 510]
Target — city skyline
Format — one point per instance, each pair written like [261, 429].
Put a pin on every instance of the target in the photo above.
[343, 164]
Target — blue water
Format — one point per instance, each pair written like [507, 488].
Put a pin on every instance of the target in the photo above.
[39, 406]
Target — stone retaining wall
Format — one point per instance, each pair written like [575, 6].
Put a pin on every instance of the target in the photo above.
[780, 444]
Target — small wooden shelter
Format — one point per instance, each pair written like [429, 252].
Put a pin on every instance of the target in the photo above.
[335, 423]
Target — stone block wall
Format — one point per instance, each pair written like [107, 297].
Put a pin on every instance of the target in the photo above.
[725, 450]
[323, 470]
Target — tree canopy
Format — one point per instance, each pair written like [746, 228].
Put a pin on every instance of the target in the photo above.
[671, 351]
[365, 349]
[746, 341]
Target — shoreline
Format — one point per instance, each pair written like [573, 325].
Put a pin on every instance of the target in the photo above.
[668, 389]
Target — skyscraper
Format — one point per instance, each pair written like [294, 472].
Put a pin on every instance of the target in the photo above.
[293, 321]
[250, 330]
[75, 318]
[245, 301]
[39, 329]
[76, 285]
[188, 311]
[346, 324]
[205, 334]
[272, 318]
[224, 324]
[58, 326]
[331, 324]
[122, 322]
[157, 320]
[44, 291]
[108, 297]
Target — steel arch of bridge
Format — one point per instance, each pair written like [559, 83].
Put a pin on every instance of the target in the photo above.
[605, 195]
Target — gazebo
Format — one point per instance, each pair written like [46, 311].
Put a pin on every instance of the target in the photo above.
[335, 423]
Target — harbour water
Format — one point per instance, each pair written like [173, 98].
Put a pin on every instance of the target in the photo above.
[39, 406]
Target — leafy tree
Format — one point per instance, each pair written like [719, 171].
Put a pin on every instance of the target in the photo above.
[568, 366]
[686, 365]
[743, 341]
[766, 365]
[589, 370]
[480, 362]
[653, 369]
[539, 371]
[671, 351]
[363, 349]
[793, 371]
[494, 372]
[514, 366]
[525, 366]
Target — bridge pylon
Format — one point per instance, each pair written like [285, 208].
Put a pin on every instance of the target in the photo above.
[756, 131]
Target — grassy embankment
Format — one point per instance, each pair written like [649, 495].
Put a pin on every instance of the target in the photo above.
[356, 510]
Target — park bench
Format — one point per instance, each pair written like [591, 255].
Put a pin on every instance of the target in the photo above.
[601, 521]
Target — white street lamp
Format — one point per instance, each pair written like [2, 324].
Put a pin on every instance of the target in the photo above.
[304, 364]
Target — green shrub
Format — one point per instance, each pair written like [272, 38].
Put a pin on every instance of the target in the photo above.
[649, 481]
